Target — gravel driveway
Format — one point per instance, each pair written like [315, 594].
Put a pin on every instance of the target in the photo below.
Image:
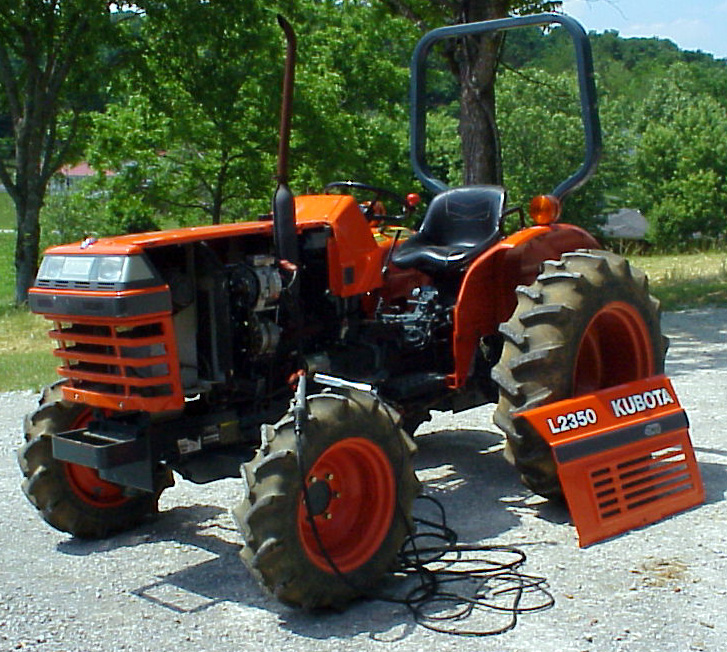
[176, 582]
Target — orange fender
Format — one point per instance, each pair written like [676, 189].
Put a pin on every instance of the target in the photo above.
[487, 295]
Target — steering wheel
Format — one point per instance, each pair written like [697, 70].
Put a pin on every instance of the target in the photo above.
[378, 192]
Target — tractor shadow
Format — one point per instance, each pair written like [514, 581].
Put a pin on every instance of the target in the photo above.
[192, 588]
[714, 474]
[480, 491]
[462, 469]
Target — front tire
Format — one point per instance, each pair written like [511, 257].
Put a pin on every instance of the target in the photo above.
[586, 323]
[70, 497]
[358, 470]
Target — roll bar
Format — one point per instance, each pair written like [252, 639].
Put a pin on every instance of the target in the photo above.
[586, 84]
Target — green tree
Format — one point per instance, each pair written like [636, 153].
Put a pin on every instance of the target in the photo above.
[681, 165]
[49, 73]
[351, 117]
[542, 140]
[198, 113]
[202, 75]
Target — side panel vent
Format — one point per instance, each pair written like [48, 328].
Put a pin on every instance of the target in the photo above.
[623, 454]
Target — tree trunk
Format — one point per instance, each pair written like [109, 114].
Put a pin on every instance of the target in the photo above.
[33, 171]
[476, 64]
[479, 134]
[26, 244]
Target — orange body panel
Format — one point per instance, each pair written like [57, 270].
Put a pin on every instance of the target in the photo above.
[136, 243]
[354, 257]
[487, 296]
[119, 363]
[623, 455]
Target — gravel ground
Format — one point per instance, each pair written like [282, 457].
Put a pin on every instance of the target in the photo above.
[176, 583]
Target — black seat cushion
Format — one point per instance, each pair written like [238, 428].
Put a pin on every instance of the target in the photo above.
[460, 224]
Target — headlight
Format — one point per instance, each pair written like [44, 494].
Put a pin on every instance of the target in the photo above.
[77, 268]
[101, 269]
[51, 267]
[110, 269]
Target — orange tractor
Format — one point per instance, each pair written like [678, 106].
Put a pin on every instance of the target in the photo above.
[300, 354]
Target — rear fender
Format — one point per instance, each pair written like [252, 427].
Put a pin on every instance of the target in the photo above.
[487, 295]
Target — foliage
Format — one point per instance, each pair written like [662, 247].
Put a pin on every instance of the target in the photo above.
[198, 113]
[473, 61]
[681, 163]
[664, 123]
[359, 94]
[50, 77]
[194, 123]
[187, 122]
[72, 214]
[543, 141]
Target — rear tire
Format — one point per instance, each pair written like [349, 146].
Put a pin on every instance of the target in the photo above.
[586, 323]
[70, 497]
[357, 464]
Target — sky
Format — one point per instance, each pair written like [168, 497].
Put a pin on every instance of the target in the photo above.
[691, 24]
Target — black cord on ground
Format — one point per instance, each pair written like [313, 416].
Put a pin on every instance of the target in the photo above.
[462, 582]
[444, 583]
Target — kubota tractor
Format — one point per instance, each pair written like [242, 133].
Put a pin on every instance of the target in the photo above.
[300, 354]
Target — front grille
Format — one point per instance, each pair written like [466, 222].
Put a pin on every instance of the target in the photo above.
[77, 285]
[126, 364]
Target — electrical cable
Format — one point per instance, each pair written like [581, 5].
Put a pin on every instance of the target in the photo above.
[452, 582]
[471, 581]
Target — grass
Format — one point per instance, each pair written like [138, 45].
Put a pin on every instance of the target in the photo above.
[678, 281]
[25, 349]
[7, 211]
[686, 280]
[26, 361]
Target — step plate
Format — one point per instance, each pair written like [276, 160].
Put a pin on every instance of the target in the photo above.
[624, 456]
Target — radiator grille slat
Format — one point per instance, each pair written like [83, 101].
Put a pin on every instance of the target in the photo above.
[125, 364]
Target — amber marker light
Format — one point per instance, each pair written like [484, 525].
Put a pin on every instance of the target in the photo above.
[545, 209]
[413, 200]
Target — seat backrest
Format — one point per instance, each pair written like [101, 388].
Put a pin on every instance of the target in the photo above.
[466, 216]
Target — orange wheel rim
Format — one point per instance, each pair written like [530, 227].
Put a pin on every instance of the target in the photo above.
[616, 348]
[352, 494]
[85, 481]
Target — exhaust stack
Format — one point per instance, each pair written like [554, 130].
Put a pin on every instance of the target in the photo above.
[284, 229]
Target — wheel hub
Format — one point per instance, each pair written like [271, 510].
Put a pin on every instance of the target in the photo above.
[351, 497]
[319, 496]
[86, 483]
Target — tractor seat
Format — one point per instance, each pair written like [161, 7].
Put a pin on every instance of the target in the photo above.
[459, 225]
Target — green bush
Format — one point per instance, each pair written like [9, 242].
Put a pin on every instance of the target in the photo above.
[680, 180]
